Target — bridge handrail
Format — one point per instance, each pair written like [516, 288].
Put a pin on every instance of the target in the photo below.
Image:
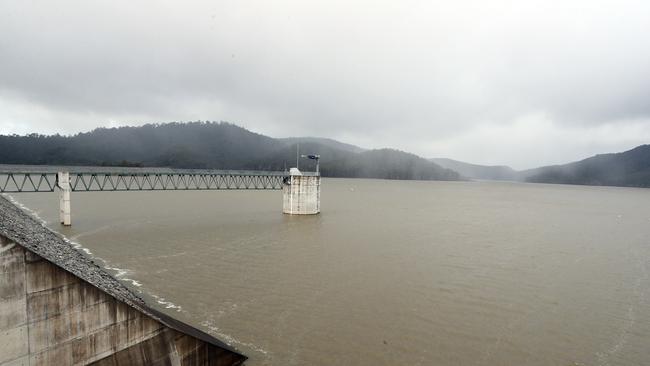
[156, 171]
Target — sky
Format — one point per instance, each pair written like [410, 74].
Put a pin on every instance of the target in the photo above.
[520, 83]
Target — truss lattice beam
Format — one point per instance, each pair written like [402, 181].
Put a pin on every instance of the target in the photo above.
[14, 182]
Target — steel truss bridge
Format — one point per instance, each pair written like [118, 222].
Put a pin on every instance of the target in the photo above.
[66, 182]
[15, 182]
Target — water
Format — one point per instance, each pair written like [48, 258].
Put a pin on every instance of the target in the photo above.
[391, 272]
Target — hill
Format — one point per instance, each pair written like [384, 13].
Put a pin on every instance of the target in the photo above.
[630, 168]
[212, 145]
[179, 145]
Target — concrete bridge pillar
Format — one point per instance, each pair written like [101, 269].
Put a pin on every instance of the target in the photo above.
[301, 193]
[63, 182]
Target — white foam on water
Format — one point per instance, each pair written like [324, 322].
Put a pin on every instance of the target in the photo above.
[35, 215]
[230, 340]
[80, 247]
[165, 303]
[28, 210]
[133, 282]
[121, 272]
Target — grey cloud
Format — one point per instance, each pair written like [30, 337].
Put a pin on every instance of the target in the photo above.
[420, 76]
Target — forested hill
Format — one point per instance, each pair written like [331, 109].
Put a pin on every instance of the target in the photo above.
[630, 168]
[212, 145]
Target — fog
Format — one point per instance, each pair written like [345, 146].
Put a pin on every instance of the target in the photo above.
[489, 82]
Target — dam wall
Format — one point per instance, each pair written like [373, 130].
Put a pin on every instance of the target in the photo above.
[59, 308]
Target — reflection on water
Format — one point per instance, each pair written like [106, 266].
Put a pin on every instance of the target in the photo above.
[417, 273]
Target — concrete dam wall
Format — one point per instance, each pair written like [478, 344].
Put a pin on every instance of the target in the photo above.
[57, 307]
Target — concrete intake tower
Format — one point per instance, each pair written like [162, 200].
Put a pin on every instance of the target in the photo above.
[301, 193]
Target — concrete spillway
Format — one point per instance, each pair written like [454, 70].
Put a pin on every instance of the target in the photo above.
[57, 307]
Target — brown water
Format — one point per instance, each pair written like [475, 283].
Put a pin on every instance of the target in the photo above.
[391, 272]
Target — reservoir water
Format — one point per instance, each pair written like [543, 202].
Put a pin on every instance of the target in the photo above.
[391, 272]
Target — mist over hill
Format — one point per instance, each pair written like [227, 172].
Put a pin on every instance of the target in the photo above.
[222, 145]
[475, 171]
[323, 141]
[212, 145]
[629, 168]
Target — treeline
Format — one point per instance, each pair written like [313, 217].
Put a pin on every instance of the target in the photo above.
[211, 145]
[630, 168]
[196, 145]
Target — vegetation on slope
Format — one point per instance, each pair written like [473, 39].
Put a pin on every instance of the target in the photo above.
[212, 145]
[630, 168]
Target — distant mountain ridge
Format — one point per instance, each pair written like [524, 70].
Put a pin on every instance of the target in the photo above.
[222, 145]
[627, 169]
[212, 145]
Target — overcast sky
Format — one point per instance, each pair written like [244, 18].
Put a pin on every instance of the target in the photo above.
[523, 83]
